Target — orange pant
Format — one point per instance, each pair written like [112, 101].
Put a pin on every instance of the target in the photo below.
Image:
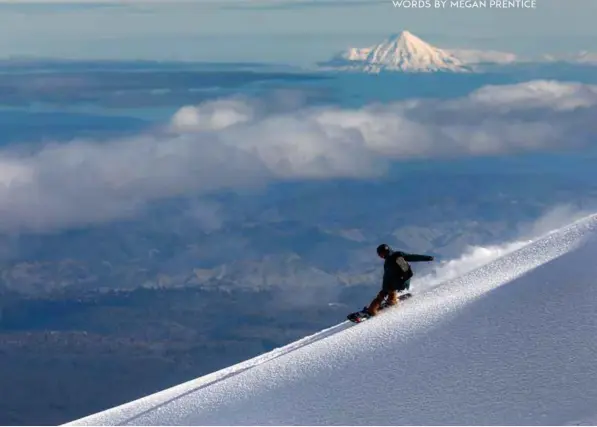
[376, 303]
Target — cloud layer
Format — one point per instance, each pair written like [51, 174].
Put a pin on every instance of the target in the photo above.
[235, 143]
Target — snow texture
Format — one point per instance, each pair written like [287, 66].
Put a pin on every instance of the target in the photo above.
[405, 52]
[401, 52]
[512, 342]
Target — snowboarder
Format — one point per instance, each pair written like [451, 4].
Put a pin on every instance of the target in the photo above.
[396, 277]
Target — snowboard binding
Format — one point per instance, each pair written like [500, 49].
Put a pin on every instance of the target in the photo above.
[362, 315]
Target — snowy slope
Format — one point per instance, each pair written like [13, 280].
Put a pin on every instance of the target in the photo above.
[403, 52]
[512, 342]
[354, 54]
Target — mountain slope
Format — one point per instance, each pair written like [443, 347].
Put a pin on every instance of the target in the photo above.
[509, 343]
[400, 52]
[405, 52]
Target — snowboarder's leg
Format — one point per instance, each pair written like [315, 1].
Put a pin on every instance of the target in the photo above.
[375, 304]
[392, 297]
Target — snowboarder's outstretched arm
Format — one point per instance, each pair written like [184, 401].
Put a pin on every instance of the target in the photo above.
[417, 257]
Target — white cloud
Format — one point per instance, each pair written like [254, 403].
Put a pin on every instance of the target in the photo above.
[209, 216]
[213, 115]
[471, 56]
[235, 143]
[538, 94]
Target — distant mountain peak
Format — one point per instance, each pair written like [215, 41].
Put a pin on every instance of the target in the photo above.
[405, 52]
[406, 37]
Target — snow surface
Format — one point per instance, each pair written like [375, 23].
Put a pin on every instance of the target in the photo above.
[512, 342]
[355, 54]
[400, 52]
[405, 52]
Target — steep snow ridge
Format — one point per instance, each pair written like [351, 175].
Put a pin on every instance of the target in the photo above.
[508, 343]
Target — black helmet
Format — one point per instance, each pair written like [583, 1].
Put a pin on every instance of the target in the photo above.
[383, 250]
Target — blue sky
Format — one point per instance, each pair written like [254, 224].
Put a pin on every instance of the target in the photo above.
[277, 30]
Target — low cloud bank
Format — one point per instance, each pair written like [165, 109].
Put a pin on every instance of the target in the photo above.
[238, 143]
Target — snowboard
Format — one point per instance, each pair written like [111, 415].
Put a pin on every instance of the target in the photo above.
[362, 315]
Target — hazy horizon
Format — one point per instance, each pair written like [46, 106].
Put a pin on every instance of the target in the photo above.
[292, 31]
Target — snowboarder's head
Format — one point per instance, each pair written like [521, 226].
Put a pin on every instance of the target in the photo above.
[383, 250]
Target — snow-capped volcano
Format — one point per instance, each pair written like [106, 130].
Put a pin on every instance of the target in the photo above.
[405, 52]
[400, 52]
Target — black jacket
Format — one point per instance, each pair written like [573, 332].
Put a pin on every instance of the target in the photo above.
[393, 275]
